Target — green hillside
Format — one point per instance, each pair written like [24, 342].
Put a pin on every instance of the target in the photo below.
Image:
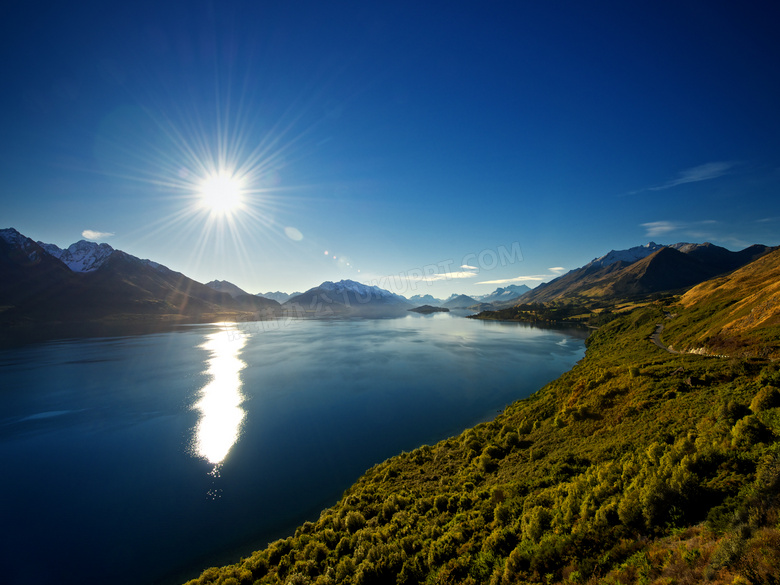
[637, 466]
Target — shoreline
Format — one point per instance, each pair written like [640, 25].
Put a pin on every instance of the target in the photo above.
[20, 335]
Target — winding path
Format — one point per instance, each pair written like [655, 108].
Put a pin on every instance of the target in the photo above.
[656, 338]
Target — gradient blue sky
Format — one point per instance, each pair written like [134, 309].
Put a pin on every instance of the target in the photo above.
[517, 139]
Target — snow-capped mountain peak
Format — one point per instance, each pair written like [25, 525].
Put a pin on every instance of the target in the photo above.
[362, 290]
[21, 242]
[629, 256]
[425, 300]
[12, 237]
[511, 291]
[351, 286]
[83, 256]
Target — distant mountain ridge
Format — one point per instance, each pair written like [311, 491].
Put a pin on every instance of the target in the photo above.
[460, 302]
[227, 287]
[643, 270]
[425, 300]
[346, 297]
[506, 293]
[627, 256]
[279, 297]
[500, 295]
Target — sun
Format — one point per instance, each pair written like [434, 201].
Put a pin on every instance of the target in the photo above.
[221, 193]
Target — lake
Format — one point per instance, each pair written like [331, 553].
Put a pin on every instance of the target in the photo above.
[145, 459]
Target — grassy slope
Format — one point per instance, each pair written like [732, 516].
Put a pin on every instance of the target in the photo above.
[605, 475]
[737, 314]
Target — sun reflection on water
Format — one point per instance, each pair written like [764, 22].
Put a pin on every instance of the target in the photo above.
[219, 403]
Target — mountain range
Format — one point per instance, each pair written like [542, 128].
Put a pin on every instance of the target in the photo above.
[279, 297]
[500, 295]
[643, 271]
[91, 283]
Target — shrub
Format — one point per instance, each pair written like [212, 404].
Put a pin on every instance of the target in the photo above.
[630, 509]
[354, 521]
[441, 502]
[315, 551]
[389, 508]
[278, 549]
[512, 439]
[513, 567]
[443, 549]
[344, 569]
[502, 513]
[747, 432]
[766, 398]
[493, 451]
[535, 522]
[732, 411]
[486, 463]
[412, 571]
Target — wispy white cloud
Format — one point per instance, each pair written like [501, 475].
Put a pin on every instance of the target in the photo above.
[555, 271]
[447, 275]
[94, 235]
[467, 267]
[659, 228]
[700, 230]
[531, 277]
[705, 172]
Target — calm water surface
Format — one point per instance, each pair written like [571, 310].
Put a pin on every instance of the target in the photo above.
[145, 459]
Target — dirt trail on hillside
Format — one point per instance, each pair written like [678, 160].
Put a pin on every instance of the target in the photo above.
[656, 338]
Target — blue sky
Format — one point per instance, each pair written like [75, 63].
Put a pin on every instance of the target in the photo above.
[475, 144]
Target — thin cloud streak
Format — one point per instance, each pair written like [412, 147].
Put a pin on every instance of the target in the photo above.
[446, 276]
[699, 231]
[555, 272]
[532, 277]
[660, 228]
[535, 277]
[705, 172]
[696, 229]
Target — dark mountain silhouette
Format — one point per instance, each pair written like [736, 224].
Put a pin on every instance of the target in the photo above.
[227, 287]
[39, 288]
[28, 272]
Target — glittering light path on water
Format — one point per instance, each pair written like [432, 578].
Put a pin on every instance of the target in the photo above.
[220, 400]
